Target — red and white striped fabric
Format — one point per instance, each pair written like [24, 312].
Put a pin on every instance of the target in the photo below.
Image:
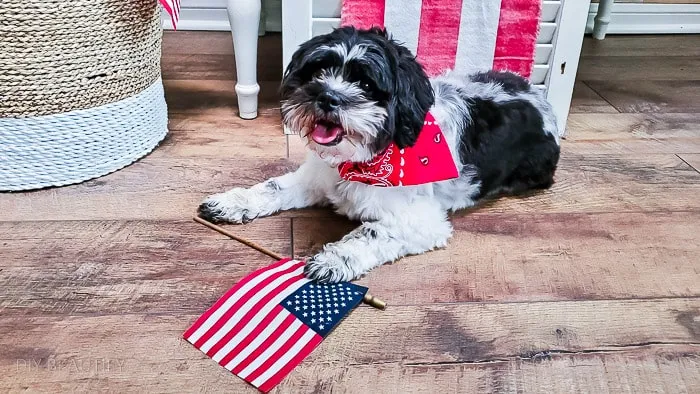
[172, 7]
[270, 321]
[461, 35]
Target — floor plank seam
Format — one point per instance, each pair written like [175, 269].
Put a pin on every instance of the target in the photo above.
[5, 313]
[549, 354]
[291, 236]
[694, 297]
[602, 97]
[330, 215]
[286, 146]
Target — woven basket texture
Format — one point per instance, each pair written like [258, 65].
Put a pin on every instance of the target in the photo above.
[63, 55]
[62, 149]
[80, 89]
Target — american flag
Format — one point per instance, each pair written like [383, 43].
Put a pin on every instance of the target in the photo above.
[461, 35]
[270, 321]
[172, 7]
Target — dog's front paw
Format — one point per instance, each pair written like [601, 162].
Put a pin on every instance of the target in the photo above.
[330, 267]
[235, 206]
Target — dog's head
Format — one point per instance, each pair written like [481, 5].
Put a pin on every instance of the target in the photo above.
[352, 92]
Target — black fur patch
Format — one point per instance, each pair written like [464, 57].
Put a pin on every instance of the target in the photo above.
[511, 83]
[507, 145]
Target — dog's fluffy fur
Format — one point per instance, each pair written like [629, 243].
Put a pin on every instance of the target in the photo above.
[501, 132]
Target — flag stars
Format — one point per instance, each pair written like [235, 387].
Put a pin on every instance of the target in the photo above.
[321, 306]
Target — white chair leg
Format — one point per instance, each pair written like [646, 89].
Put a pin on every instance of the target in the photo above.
[244, 16]
[602, 19]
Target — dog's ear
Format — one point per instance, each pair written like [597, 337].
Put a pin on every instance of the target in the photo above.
[413, 97]
[290, 78]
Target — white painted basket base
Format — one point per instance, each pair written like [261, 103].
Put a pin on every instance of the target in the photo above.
[67, 148]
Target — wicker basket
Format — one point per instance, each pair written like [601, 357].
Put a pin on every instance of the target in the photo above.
[80, 89]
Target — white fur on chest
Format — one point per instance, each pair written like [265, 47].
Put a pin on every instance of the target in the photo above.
[364, 202]
[359, 201]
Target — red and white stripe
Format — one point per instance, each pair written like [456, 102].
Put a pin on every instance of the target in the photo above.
[461, 35]
[172, 7]
[249, 333]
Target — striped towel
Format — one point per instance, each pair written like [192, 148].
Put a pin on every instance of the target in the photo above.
[172, 7]
[461, 35]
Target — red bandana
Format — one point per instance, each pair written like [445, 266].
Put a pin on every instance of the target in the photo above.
[429, 160]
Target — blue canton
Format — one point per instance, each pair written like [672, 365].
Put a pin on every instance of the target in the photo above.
[322, 307]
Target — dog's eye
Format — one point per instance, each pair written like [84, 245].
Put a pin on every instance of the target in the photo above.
[365, 85]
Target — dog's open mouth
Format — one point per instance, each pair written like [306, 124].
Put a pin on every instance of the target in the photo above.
[327, 133]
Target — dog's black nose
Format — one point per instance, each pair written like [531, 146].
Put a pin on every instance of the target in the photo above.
[328, 101]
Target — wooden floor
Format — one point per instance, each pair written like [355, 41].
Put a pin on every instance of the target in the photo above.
[592, 286]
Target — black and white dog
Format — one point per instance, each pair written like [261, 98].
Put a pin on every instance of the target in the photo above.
[351, 93]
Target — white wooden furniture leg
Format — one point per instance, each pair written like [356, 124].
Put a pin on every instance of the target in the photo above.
[244, 16]
[262, 29]
[567, 49]
[296, 28]
[602, 19]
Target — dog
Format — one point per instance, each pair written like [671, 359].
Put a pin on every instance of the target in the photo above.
[352, 93]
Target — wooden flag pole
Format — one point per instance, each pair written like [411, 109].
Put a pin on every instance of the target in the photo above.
[368, 298]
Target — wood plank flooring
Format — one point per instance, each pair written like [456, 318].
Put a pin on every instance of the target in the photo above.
[591, 286]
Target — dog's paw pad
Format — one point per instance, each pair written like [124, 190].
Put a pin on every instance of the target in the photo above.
[210, 212]
[328, 268]
[232, 206]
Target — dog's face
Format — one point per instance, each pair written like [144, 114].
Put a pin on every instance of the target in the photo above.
[352, 92]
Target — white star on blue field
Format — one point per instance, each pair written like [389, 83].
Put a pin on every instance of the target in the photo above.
[322, 307]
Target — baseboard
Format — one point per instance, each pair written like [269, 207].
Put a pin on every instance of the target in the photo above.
[630, 18]
[627, 18]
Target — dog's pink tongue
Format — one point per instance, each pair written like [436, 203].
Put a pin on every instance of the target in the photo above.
[324, 135]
